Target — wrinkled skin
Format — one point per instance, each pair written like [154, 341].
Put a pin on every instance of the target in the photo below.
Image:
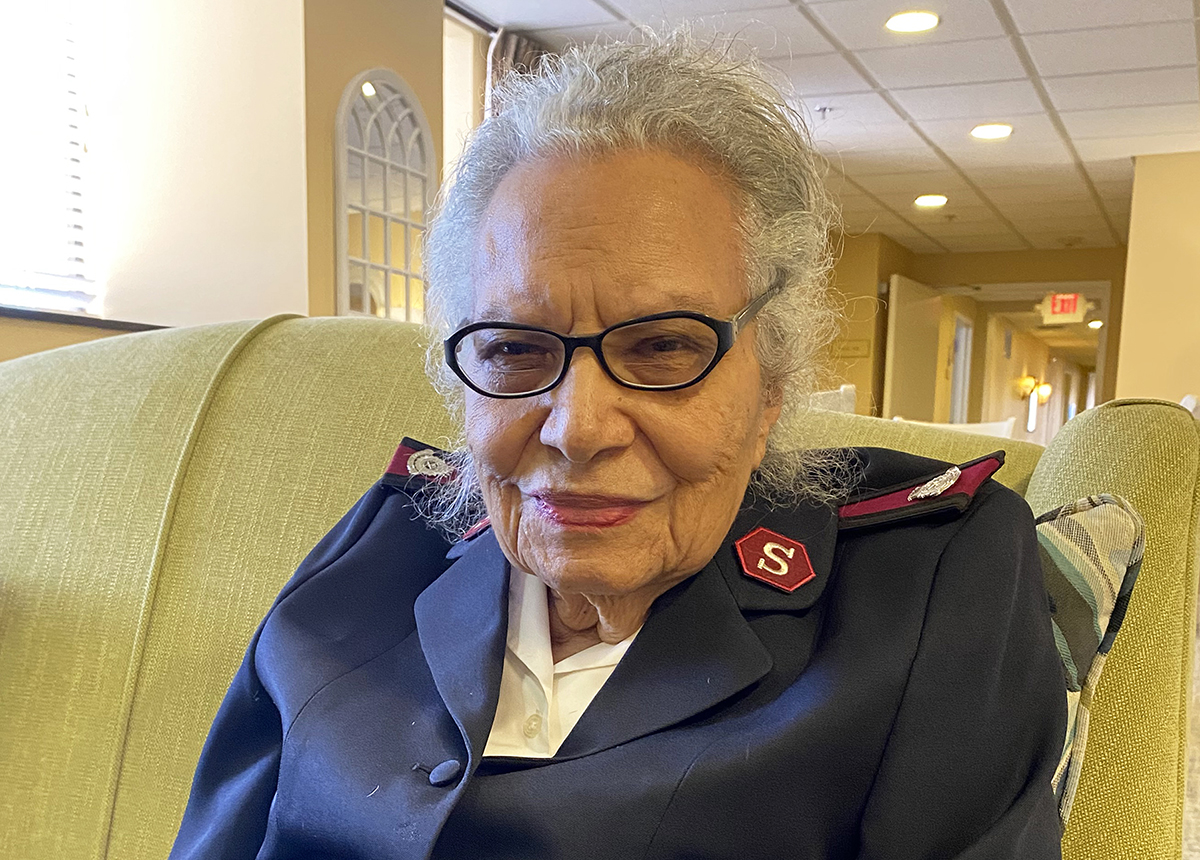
[610, 495]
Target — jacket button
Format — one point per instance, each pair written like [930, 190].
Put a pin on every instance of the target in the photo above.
[445, 773]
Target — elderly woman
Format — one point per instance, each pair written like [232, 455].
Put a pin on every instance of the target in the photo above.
[670, 638]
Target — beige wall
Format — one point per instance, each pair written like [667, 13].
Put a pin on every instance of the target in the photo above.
[1160, 338]
[23, 337]
[1029, 357]
[196, 210]
[343, 38]
[863, 262]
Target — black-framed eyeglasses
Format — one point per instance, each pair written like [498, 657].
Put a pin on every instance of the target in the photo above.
[660, 352]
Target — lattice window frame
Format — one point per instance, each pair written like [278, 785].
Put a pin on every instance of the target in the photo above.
[382, 274]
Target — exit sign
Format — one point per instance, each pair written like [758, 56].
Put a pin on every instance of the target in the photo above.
[1062, 308]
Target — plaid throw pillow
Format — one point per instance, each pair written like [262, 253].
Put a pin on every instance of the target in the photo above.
[1091, 551]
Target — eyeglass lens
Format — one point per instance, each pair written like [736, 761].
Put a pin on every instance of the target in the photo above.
[651, 354]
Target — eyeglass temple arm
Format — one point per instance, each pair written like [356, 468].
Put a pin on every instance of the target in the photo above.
[746, 314]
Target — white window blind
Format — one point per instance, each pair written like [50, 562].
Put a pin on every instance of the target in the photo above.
[44, 252]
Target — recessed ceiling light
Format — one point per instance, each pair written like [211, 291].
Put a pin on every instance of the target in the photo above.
[930, 201]
[912, 22]
[1096, 324]
[992, 131]
[368, 89]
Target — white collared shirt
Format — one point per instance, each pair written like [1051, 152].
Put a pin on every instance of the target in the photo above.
[540, 700]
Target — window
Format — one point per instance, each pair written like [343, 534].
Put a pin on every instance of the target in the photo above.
[384, 184]
[44, 254]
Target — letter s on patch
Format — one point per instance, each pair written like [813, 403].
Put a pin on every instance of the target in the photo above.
[771, 550]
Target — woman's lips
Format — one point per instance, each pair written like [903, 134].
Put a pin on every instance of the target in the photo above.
[586, 511]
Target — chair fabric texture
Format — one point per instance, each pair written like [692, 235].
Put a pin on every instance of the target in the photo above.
[157, 489]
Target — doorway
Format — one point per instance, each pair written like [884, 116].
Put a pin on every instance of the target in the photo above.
[960, 372]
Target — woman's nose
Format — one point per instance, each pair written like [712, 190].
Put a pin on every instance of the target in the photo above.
[587, 412]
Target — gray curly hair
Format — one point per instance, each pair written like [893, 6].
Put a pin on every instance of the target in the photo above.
[672, 95]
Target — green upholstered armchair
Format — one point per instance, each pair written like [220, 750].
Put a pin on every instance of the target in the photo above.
[157, 489]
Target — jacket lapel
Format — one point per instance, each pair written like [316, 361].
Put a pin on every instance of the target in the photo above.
[694, 651]
[462, 620]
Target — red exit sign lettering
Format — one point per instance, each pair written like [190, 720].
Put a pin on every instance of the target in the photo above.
[1065, 304]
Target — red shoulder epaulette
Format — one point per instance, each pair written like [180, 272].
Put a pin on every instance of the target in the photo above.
[951, 489]
[416, 459]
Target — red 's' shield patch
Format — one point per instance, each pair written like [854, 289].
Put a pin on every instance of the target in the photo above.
[774, 559]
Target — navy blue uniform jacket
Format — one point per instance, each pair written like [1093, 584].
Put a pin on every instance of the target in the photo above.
[905, 703]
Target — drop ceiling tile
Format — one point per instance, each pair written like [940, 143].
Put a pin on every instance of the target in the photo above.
[1111, 170]
[559, 38]
[955, 227]
[775, 31]
[914, 182]
[1148, 46]
[1040, 16]
[1063, 224]
[1151, 120]
[1017, 198]
[963, 214]
[919, 245]
[847, 107]
[643, 11]
[859, 136]
[1048, 206]
[942, 64]
[876, 223]
[986, 242]
[867, 163]
[1125, 89]
[821, 75]
[993, 102]
[859, 24]
[1011, 154]
[539, 15]
[1025, 174]
[1125, 147]
[1057, 242]
[1117, 203]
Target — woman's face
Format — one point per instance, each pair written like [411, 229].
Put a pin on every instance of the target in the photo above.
[594, 487]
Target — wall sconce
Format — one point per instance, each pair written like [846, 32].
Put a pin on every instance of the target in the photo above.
[1043, 392]
[1025, 387]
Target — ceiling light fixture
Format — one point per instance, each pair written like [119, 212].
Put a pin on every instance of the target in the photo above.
[1095, 324]
[930, 201]
[992, 131]
[368, 89]
[912, 22]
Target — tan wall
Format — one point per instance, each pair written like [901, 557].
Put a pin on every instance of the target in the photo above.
[24, 337]
[1029, 357]
[862, 263]
[343, 38]
[196, 149]
[1160, 339]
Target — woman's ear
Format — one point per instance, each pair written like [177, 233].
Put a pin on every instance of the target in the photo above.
[771, 409]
